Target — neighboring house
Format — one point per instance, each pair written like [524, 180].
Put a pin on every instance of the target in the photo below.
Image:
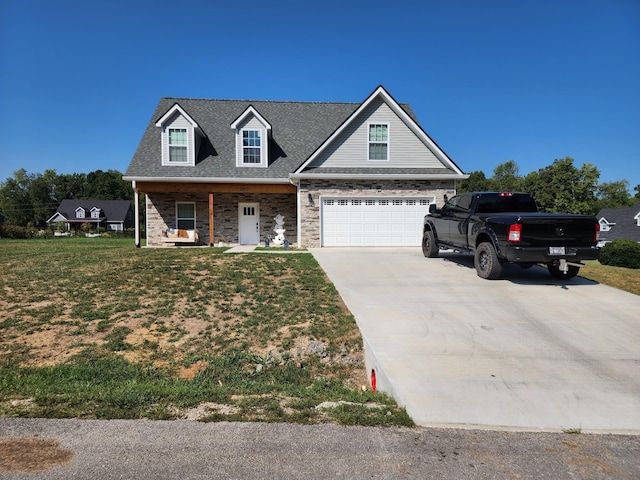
[339, 173]
[114, 215]
[619, 223]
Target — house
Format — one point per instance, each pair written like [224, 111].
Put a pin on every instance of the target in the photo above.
[114, 215]
[619, 223]
[360, 174]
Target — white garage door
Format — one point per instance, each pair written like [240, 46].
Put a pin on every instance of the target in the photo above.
[371, 222]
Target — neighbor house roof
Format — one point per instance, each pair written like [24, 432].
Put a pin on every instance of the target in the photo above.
[111, 210]
[623, 223]
[298, 130]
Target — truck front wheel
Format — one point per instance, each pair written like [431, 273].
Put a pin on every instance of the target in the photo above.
[429, 245]
[487, 262]
[556, 272]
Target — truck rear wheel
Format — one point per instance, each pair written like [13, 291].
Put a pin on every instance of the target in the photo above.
[429, 246]
[554, 270]
[487, 262]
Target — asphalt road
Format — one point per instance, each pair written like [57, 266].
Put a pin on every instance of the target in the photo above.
[127, 449]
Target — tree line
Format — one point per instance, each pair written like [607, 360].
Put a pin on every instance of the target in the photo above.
[30, 199]
[557, 188]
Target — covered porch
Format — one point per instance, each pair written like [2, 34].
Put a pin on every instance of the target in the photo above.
[238, 213]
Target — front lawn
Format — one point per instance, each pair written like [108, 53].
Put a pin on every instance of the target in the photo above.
[95, 328]
[626, 279]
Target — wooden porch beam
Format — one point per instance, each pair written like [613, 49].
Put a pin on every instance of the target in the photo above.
[211, 232]
[174, 187]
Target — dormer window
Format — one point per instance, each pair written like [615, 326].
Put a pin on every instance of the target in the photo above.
[80, 212]
[180, 137]
[95, 212]
[378, 141]
[251, 146]
[252, 139]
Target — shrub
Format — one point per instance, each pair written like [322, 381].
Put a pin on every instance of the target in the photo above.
[621, 253]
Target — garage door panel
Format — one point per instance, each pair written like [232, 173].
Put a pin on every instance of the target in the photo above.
[373, 222]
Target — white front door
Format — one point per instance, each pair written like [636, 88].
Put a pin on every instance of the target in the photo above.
[249, 223]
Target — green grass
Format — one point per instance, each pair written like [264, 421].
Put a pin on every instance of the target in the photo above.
[626, 279]
[95, 328]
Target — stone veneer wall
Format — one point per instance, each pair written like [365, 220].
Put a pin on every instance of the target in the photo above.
[310, 212]
[161, 214]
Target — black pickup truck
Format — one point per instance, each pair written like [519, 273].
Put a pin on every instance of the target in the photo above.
[499, 228]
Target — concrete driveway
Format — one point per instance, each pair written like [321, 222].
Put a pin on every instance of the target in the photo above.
[525, 352]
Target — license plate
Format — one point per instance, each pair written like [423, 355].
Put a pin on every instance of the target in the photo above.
[556, 250]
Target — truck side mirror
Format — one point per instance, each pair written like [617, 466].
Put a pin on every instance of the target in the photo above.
[432, 209]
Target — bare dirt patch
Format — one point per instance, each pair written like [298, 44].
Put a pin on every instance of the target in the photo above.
[30, 455]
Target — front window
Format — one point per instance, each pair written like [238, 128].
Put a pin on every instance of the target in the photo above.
[379, 141]
[251, 146]
[178, 145]
[186, 216]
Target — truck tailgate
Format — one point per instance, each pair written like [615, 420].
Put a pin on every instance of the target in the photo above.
[558, 229]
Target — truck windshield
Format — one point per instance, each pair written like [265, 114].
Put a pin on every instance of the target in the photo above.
[499, 204]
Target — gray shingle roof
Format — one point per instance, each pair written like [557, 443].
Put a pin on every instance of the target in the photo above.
[625, 226]
[299, 128]
[112, 210]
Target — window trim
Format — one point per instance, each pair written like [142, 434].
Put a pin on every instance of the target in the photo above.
[178, 218]
[370, 142]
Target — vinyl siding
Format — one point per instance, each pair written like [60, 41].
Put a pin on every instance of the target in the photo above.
[350, 148]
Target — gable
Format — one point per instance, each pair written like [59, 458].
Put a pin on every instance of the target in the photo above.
[414, 154]
[350, 148]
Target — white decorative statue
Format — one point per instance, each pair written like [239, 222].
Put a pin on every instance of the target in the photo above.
[279, 238]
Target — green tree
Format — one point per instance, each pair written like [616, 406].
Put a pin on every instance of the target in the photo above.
[563, 188]
[14, 198]
[506, 177]
[70, 185]
[42, 197]
[614, 195]
[477, 182]
[107, 186]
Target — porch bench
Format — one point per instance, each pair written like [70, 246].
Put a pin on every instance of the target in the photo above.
[178, 235]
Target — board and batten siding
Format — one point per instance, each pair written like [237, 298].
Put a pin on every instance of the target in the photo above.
[178, 121]
[252, 123]
[351, 148]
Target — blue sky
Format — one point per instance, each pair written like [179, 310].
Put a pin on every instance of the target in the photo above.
[490, 81]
